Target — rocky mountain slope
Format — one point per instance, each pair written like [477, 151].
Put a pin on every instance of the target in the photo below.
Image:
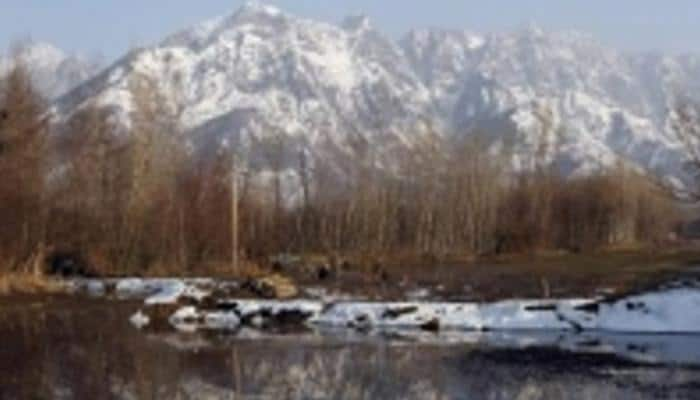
[346, 92]
[594, 104]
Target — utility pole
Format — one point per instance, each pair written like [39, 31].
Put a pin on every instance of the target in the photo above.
[234, 215]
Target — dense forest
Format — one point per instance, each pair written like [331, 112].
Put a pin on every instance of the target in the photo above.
[140, 201]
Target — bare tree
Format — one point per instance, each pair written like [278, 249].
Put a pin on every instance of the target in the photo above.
[158, 153]
[23, 129]
[89, 195]
[685, 122]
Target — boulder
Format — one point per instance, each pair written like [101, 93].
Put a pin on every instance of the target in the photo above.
[274, 286]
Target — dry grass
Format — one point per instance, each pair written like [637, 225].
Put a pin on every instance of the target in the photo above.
[27, 277]
[246, 269]
[26, 283]
[215, 269]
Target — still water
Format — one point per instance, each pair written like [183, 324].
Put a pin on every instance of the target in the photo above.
[72, 349]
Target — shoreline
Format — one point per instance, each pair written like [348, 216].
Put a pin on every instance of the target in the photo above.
[190, 305]
[548, 275]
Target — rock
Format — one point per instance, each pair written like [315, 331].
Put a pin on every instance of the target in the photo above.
[431, 326]
[395, 313]
[274, 286]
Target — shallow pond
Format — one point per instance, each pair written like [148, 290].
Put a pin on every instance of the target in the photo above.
[66, 348]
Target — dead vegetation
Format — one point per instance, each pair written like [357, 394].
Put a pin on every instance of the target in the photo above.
[139, 202]
[16, 283]
[28, 277]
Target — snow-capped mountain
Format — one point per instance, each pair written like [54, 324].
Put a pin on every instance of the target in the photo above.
[54, 71]
[260, 74]
[600, 105]
[339, 91]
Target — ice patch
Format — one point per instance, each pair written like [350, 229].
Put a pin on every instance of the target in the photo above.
[131, 288]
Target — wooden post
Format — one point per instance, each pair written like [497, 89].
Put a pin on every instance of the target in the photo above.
[234, 216]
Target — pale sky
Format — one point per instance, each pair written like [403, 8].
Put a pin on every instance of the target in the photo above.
[110, 27]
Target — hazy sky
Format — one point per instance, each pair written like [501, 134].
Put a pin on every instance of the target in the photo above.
[109, 27]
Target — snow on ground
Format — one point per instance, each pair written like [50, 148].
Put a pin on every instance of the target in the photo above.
[512, 314]
[162, 291]
[167, 294]
[668, 311]
[672, 309]
[276, 308]
[152, 290]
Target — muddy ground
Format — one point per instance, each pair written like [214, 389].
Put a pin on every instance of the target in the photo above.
[567, 275]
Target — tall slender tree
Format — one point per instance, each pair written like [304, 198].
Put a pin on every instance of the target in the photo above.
[23, 133]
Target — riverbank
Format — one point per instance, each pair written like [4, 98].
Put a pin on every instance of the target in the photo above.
[407, 277]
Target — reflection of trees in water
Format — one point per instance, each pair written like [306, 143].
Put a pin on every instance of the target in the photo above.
[78, 351]
[349, 373]
[40, 356]
[74, 351]
[282, 373]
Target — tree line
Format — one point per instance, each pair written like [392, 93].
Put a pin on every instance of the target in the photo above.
[138, 199]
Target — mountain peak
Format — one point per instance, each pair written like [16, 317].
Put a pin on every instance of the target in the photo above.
[254, 7]
[357, 23]
[197, 36]
[531, 31]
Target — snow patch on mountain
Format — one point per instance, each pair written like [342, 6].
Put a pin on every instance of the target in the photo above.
[602, 106]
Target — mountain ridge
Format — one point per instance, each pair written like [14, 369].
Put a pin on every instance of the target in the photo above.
[261, 70]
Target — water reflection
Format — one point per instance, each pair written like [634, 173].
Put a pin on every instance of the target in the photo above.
[62, 349]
